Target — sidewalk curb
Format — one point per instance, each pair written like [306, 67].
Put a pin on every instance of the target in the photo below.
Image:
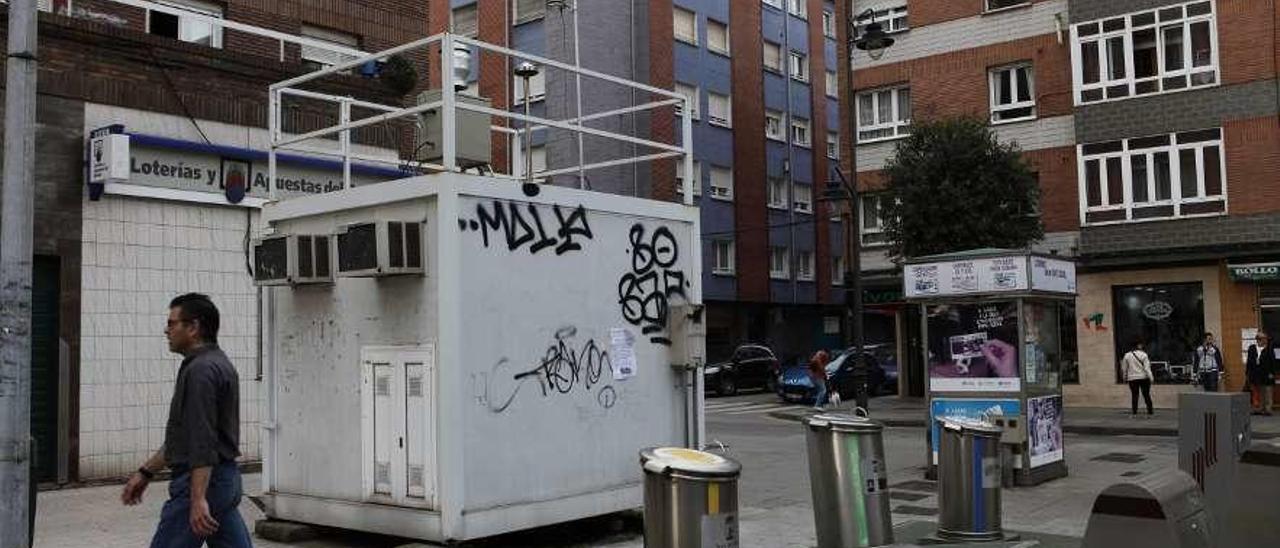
[1087, 429]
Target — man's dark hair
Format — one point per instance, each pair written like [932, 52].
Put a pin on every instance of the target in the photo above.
[1207, 335]
[1139, 342]
[198, 307]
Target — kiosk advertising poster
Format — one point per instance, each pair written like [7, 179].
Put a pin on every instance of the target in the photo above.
[974, 347]
[1044, 428]
[968, 409]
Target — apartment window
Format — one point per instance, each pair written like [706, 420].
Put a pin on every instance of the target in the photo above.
[833, 145]
[891, 20]
[686, 25]
[54, 6]
[1159, 177]
[798, 8]
[537, 88]
[828, 24]
[317, 58]
[993, 5]
[187, 28]
[872, 222]
[837, 270]
[804, 265]
[717, 37]
[800, 132]
[722, 250]
[1013, 94]
[804, 198]
[1159, 51]
[464, 21]
[774, 3]
[697, 177]
[523, 11]
[884, 114]
[777, 192]
[694, 99]
[779, 262]
[720, 108]
[772, 56]
[722, 183]
[799, 66]
[773, 124]
[833, 84]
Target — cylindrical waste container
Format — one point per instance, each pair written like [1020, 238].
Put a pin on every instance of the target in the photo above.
[847, 476]
[690, 499]
[968, 480]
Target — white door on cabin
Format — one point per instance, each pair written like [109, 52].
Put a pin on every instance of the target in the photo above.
[398, 397]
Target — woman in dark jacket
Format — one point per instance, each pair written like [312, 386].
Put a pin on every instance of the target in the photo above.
[1261, 368]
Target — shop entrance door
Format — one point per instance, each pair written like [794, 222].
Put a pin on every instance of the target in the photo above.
[1271, 319]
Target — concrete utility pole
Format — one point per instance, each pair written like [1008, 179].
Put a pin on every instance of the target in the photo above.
[18, 197]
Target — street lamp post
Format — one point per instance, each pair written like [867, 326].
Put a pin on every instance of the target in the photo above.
[873, 41]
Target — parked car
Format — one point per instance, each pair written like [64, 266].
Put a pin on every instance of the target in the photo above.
[795, 384]
[751, 366]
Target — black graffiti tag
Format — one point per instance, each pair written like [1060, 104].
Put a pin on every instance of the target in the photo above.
[560, 370]
[645, 293]
[521, 225]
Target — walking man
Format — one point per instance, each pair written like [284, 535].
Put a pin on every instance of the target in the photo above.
[201, 439]
[1208, 363]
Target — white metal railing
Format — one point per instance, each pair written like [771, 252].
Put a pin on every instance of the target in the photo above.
[448, 105]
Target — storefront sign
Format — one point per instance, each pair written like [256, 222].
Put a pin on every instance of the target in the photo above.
[881, 296]
[969, 409]
[108, 158]
[1053, 275]
[1044, 429]
[1259, 272]
[1003, 274]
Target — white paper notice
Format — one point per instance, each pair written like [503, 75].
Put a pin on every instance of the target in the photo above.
[622, 353]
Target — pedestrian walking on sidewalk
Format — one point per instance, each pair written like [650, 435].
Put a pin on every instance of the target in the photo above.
[1261, 368]
[1208, 363]
[818, 373]
[1136, 368]
[201, 438]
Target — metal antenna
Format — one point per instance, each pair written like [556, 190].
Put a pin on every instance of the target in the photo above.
[526, 70]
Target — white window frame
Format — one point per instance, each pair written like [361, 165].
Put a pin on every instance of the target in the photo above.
[1126, 155]
[804, 265]
[870, 234]
[721, 192]
[538, 12]
[676, 12]
[779, 262]
[892, 20]
[728, 45]
[198, 8]
[773, 3]
[776, 187]
[697, 177]
[767, 48]
[833, 84]
[833, 145]
[537, 88]
[1092, 32]
[695, 100]
[837, 270]
[993, 82]
[774, 122]
[828, 24]
[801, 132]
[798, 8]
[727, 267]
[899, 128]
[986, 6]
[323, 57]
[725, 121]
[798, 66]
[803, 200]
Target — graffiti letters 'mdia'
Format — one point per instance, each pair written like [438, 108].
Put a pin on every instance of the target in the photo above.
[520, 225]
[645, 293]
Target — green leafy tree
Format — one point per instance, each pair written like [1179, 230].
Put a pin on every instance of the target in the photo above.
[952, 186]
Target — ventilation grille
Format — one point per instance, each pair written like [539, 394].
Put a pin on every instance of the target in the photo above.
[382, 386]
[306, 257]
[271, 260]
[415, 387]
[416, 476]
[358, 248]
[382, 477]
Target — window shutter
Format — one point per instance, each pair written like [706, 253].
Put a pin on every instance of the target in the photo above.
[464, 21]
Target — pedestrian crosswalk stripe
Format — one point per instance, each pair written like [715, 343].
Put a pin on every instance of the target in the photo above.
[763, 409]
[722, 406]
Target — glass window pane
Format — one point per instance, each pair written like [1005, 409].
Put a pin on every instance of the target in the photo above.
[1115, 58]
[1173, 42]
[1188, 174]
[1164, 187]
[1145, 63]
[1212, 171]
[1024, 84]
[1139, 175]
[1169, 318]
[196, 32]
[1115, 181]
[904, 105]
[866, 110]
[1004, 87]
[884, 106]
[1089, 58]
[1201, 49]
[1093, 182]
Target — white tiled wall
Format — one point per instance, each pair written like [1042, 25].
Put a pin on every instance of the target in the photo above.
[137, 255]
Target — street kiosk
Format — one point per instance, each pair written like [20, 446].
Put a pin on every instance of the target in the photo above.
[993, 348]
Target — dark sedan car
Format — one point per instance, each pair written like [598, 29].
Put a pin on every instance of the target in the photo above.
[752, 366]
[797, 386]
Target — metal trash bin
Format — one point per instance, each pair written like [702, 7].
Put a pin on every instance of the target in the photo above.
[690, 499]
[849, 481]
[1161, 509]
[969, 475]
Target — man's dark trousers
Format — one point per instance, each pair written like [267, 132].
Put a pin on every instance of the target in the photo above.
[1209, 380]
[223, 494]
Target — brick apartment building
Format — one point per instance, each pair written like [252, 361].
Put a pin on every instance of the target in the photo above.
[765, 138]
[1152, 126]
[190, 95]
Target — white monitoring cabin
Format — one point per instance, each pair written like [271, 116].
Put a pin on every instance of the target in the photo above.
[462, 372]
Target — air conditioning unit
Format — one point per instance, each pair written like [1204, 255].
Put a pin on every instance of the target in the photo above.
[292, 259]
[380, 248]
[471, 138]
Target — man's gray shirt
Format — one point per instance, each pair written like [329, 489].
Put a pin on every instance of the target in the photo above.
[204, 415]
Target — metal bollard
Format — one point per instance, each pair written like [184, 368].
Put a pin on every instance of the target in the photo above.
[850, 486]
[969, 475]
[690, 499]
